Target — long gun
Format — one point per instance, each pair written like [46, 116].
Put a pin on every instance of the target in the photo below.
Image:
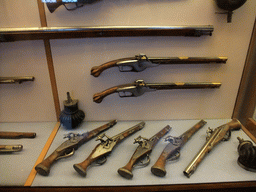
[10, 148]
[141, 155]
[16, 135]
[172, 150]
[141, 62]
[139, 87]
[68, 148]
[12, 80]
[52, 6]
[100, 152]
[221, 133]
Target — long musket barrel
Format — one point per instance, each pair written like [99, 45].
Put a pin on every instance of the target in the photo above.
[140, 87]
[105, 148]
[68, 147]
[143, 150]
[37, 33]
[222, 132]
[172, 150]
[16, 135]
[141, 62]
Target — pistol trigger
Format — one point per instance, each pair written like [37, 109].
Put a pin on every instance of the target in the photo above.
[227, 136]
[67, 155]
[101, 161]
[175, 157]
[142, 162]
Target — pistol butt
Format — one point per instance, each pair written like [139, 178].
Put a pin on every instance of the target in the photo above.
[158, 171]
[125, 173]
[80, 170]
[42, 170]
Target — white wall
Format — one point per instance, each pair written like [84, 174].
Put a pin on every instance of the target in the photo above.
[73, 58]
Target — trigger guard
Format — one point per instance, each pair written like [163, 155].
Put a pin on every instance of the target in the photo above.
[100, 161]
[227, 136]
[175, 157]
[142, 162]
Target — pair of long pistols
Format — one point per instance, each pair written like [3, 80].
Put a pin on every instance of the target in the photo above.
[141, 62]
[141, 155]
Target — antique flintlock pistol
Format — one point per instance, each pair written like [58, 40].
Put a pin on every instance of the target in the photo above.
[172, 150]
[68, 148]
[139, 87]
[100, 152]
[141, 62]
[221, 133]
[141, 155]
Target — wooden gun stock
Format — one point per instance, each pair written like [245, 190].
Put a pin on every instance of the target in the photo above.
[43, 168]
[98, 97]
[82, 167]
[97, 70]
[16, 135]
[53, 6]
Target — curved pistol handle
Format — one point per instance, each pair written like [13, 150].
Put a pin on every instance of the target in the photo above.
[81, 167]
[97, 70]
[43, 168]
[158, 168]
[126, 171]
[98, 97]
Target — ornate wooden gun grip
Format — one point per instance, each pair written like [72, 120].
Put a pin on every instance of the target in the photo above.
[159, 167]
[98, 97]
[81, 167]
[126, 171]
[97, 70]
[43, 168]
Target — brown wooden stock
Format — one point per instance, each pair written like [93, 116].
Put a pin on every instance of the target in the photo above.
[97, 70]
[53, 6]
[81, 167]
[43, 168]
[98, 97]
[159, 167]
[126, 171]
[16, 135]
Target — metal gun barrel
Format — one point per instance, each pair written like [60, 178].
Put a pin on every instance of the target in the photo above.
[192, 85]
[217, 135]
[186, 60]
